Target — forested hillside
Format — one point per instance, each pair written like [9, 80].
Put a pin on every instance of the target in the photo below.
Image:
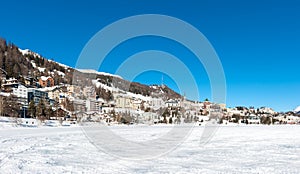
[21, 64]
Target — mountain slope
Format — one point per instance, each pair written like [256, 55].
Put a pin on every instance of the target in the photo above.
[20, 64]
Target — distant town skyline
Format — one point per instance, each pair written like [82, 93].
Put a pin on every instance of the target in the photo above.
[257, 41]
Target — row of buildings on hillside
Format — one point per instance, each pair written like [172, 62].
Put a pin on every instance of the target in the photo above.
[42, 82]
[262, 115]
[55, 96]
[84, 100]
[23, 93]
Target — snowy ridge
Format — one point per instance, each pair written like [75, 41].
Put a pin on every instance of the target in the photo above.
[297, 109]
[92, 71]
[60, 64]
[27, 51]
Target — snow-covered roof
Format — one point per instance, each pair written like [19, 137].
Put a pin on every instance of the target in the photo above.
[5, 94]
[48, 88]
[172, 101]
[137, 102]
[44, 78]
[101, 100]
[11, 80]
[60, 73]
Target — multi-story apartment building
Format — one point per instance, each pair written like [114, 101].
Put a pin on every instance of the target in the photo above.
[93, 105]
[20, 91]
[36, 95]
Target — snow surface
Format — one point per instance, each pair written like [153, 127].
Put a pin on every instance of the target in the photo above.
[41, 69]
[138, 96]
[92, 71]
[27, 51]
[127, 94]
[33, 64]
[60, 73]
[99, 84]
[297, 109]
[60, 64]
[5, 94]
[238, 149]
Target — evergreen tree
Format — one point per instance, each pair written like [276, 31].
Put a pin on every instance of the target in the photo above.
[40, 109]
[1, 105]
[49, 113]
[32, 109]
[11, 106]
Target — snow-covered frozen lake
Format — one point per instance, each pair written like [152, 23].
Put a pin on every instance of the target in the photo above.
[233, 149]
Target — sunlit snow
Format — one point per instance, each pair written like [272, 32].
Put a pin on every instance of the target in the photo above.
[233, 149]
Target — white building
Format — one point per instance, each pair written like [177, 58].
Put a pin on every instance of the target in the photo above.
[92, 105]
[149, 117]
[288, 119]
[266, 110]
[172, 103]
[253, 119]
[156, 103]
[28, 122]
[11, 81]
[20, 91]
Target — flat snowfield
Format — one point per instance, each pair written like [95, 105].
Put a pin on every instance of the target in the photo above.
[232, 149]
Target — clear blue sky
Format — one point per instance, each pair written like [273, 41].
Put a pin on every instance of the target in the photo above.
[258, 42]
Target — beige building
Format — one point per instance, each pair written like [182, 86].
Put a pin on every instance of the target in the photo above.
[89, 92]
[137, 104]
[73, 90]
[123, 101]
[54, 94]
